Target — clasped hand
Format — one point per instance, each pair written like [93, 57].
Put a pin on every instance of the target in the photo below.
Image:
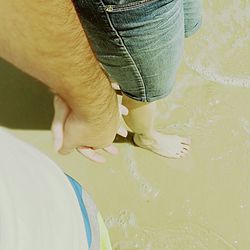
[71, 132]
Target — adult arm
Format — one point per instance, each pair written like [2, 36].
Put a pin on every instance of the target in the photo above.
[46, 40]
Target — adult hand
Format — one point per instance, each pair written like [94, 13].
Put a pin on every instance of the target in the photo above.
[71, 132]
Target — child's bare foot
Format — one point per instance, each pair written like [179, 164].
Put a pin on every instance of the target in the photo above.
[171, 146]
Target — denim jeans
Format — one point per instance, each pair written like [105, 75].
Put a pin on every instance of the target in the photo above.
[140, 43]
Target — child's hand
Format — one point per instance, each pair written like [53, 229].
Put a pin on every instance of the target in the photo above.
[69, 133]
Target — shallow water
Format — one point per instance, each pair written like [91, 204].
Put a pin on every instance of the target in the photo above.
[220, 51]
[152, 203]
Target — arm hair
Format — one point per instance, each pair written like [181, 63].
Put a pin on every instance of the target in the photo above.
[46, 40]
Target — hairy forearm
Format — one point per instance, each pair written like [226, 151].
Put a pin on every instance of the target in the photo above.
[46, 40]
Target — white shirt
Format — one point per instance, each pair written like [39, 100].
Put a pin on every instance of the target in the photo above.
[38, 207]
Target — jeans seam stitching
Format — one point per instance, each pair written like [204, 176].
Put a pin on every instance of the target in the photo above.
[131, 6]
[130, 56]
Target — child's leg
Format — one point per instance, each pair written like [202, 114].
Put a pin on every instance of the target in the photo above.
[141, 121]
[140, 45]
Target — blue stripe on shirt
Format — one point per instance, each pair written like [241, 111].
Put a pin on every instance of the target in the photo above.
[78, 190]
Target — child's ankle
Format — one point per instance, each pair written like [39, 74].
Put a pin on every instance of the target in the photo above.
[148, 135]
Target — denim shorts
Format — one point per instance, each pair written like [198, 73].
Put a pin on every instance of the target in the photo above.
[140, 43]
